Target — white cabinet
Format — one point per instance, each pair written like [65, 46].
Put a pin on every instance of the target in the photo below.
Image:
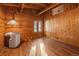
[14, 40]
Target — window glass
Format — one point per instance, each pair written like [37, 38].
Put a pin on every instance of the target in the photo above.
[40, 26]
[35, 26]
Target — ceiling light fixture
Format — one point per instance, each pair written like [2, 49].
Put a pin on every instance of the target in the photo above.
[12, 21]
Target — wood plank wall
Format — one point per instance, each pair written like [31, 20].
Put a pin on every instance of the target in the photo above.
[63, 27]
[1, 26]
[25, 25]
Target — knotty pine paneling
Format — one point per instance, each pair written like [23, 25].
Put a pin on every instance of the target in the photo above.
[25, 25]
[63, 27]
[1, 27]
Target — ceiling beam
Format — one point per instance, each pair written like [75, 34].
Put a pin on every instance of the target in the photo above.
[32, 7]
[11, 5]
[22, 7]
[40, 4]
[48, 8]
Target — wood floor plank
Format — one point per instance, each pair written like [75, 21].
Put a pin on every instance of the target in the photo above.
[44, 47]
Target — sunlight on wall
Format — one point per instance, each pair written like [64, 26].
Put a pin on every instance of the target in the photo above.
[47, 26]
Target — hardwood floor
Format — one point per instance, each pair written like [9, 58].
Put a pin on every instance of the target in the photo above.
[41, 47]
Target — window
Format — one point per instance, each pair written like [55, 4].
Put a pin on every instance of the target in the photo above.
[40, 26]
[35, 26]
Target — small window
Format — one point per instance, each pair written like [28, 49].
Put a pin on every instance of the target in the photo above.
[35, 26]
[40, 26]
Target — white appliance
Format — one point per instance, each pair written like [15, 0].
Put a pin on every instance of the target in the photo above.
[14, 40]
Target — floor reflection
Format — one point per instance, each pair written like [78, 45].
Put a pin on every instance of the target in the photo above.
[38, 47]
[42, 49]
[33, 50]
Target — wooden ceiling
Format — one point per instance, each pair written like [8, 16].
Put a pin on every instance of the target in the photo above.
[33, 8]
